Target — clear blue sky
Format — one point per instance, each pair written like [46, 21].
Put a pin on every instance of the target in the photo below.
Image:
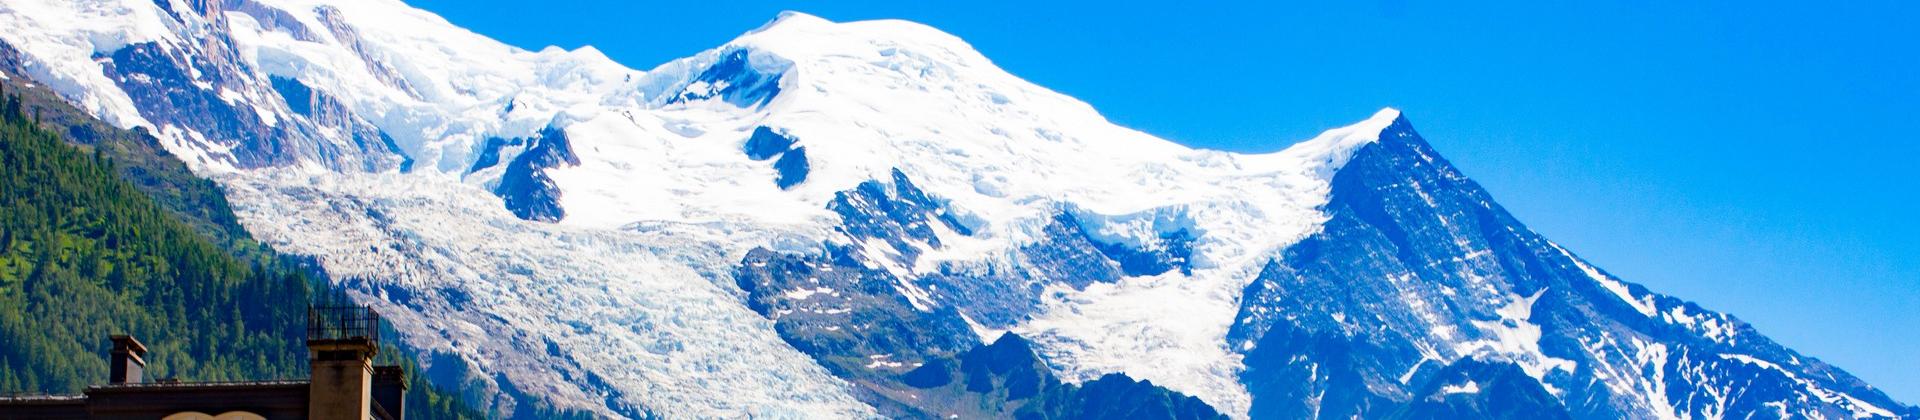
[1757, 158]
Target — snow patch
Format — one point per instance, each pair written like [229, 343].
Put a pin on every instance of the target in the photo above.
[1643, 304]
[802, 294]
[1168, 329]
[1518, 338]
[1470, 387]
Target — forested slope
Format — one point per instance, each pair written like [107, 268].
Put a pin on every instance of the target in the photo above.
[102, 232]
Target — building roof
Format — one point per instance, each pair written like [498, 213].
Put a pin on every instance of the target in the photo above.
[168, 386]
[41, 399]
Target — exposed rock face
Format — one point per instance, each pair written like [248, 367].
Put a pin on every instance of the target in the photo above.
[524, 185]
[1418, 269]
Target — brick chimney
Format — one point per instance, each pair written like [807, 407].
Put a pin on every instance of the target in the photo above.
[341, 343]
[390, 389]
[127, 362]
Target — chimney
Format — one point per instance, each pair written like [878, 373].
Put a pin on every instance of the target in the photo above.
[341, 343]
[390, 389]
[127, 361]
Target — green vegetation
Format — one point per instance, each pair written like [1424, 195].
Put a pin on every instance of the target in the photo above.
[84, 254]
[102, 232]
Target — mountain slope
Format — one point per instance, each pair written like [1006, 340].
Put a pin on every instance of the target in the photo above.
[1418, 267]
[84, 255]
[828, 206]
[130, 209]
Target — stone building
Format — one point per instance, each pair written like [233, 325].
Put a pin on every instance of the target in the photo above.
[343, 384]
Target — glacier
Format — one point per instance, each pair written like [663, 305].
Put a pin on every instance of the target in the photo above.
[570, 230]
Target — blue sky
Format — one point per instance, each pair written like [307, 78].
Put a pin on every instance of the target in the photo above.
[1757, 158]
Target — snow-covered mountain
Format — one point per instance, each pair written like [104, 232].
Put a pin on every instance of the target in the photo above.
[824, 219]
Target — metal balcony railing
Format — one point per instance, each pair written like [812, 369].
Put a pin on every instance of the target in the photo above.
[342, 323]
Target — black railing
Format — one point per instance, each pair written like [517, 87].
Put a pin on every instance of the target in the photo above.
[342, 323]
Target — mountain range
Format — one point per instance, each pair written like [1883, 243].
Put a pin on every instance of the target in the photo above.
[861, 219]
